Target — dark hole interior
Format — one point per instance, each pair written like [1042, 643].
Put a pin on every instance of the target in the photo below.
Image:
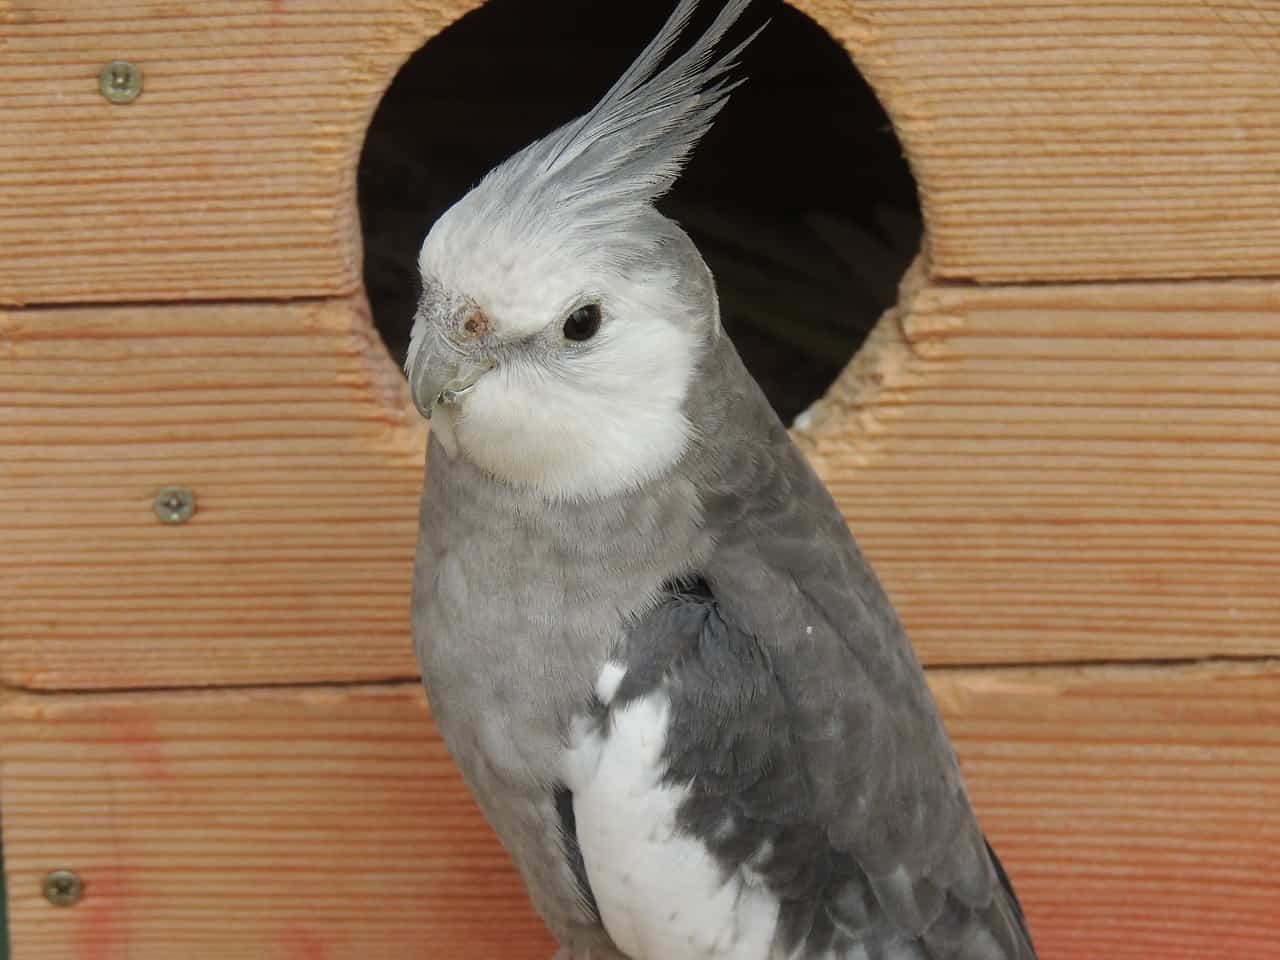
[799, 198]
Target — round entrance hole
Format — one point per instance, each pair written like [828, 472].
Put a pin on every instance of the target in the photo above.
[799, 198]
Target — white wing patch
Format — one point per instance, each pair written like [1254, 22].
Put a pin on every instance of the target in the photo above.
[661, 895]
[608, 681]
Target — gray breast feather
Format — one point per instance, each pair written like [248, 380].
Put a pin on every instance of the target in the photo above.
[741, 748]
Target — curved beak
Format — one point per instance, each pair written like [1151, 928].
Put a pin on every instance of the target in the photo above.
[441, 374]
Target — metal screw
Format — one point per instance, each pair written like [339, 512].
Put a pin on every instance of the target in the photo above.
[63, 888]
[120, 81]
[174, 505]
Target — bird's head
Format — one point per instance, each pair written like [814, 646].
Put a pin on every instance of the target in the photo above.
[563, 318]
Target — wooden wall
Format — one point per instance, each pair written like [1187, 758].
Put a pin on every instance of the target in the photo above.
[1061, 451]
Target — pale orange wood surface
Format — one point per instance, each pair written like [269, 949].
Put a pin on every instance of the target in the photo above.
[1073, 473]
[1135, 808]
[1050, 139]
[1061, 140]
[1068, 473]
[322, 824]
[295, 431]
[232, 176]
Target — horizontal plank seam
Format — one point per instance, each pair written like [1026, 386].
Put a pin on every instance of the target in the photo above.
[395, 680]
[935, 280]
[942, 281]
[1223, 660]
[214, 302]
[400, 680]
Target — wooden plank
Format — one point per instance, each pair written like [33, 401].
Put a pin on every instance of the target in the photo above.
[1135, 808]
[232, 176]
[287, 825]
[296, 433]
[1051, 140]
[1061, 473]
[1067, 473]
[1059, 140]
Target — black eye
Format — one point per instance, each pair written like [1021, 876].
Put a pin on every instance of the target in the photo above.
[583, 323]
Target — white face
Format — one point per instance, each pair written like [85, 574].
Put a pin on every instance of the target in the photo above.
[571, 408]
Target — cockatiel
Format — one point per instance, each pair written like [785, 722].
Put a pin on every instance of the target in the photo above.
[676, 688]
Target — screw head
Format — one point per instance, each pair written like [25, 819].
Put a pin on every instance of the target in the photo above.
[63, 888]
[120, 81]
[174, 505]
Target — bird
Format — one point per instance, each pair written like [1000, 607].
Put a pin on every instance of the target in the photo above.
[672, 682]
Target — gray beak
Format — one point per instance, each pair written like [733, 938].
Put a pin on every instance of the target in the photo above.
[442, 374]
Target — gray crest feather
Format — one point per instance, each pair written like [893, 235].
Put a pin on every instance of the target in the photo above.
[649, 121]
[606, 167]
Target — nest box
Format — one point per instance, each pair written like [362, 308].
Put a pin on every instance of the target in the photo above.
[1060, 448]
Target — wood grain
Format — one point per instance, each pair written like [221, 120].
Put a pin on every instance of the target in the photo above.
[290, 825]
[1058, 140]
[1051, 140]
[1060, 473]
[232, 176]
[1135, 808]
[1067, 473]
[296, 433]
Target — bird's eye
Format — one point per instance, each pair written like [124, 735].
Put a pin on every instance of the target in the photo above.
[583, 323]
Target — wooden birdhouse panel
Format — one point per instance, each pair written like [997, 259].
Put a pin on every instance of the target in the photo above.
[1057, 140]
[1074, 473]
[288, 824]
[1048, 474]
[294, 432]
[232, 176]
[1135, 807]
[1050, 140]
[1043, 473]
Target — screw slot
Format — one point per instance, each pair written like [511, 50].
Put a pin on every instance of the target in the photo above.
[63, 888]
[120, 81]
[174, 505]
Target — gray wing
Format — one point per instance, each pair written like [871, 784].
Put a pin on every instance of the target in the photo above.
[803, 725]
[897, 870]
